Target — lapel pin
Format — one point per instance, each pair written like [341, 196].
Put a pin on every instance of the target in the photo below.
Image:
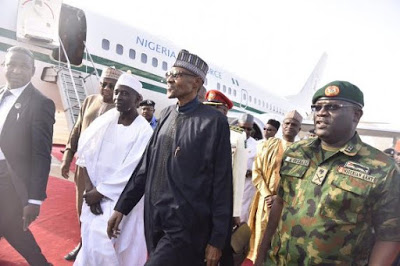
[17, 105]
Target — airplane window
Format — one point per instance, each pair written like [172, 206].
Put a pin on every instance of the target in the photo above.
[266, 105]
[132, 54]
[143, 58]
[234, 92]
[255, 100]
[154, 62]
[218, 86]
[250, 98]
[263, 104]
[237, 83]
[164, 65]
[119, 49]
[259, 102]
[233, 81]
[244, 97]
[105, 44]
[224, 88]
[229, 90]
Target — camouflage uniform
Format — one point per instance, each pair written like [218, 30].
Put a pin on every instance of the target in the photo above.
[335, 204]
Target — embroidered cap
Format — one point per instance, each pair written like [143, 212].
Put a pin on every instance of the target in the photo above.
[193, 63]
[294, 115]
[274, 123]
[111, 73]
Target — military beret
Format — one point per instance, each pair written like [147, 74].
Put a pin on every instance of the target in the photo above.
[340, 90]
[147, 103]
[217, 97]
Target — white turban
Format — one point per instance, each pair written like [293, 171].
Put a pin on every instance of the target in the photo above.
[130, 81]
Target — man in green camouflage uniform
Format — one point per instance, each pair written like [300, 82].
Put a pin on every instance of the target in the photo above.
[339, 197]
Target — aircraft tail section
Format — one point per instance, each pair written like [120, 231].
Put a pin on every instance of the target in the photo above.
[303, 98]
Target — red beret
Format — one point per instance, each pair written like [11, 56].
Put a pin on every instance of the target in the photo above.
[214, 96]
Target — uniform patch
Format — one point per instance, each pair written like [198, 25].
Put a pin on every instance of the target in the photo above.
[332, 91]
[236, 129]
[319, 176]
[297, 161]
[357, 174]
[357, 167]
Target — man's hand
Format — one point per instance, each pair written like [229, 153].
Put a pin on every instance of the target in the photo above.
[236, 221]
[92, 197]
[270, 200]
[30, 213]
[113, 223]
[213, 255]
[96, 209]
[65, 169]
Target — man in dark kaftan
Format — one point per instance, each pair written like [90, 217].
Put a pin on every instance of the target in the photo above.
[185, 175]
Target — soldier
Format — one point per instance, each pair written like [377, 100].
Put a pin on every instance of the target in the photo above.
[147, 111]
[396, 153]
[339, 197]
[239, 158]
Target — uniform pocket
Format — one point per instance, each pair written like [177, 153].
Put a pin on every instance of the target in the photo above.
[292, 181]
[345, 199]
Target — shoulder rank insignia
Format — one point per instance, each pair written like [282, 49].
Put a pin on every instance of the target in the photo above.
[357, 174]
[302, 162]
[319, 176]
[236, 128]
[349, 148]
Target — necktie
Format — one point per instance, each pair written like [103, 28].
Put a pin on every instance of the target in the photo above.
[4, 96]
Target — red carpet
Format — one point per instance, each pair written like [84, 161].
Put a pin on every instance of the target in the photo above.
[56, 230]
[56, 152]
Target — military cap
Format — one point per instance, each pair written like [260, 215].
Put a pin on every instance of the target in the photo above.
[274, 123]
[214, 97]
[193, 63]
[340, 90]
[294, 115]
[111, 73]
[147, 103]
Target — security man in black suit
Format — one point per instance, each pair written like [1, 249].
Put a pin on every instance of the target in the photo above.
[26, 126]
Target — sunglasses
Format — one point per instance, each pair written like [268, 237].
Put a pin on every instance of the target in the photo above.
[329, 107]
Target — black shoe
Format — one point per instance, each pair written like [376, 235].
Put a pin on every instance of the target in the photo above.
[72, 255]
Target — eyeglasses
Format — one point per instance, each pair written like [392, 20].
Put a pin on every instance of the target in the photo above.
[329, 106]
[105, 84]
[176, 75]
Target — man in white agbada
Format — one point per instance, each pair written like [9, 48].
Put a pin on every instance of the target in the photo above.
[110, 149]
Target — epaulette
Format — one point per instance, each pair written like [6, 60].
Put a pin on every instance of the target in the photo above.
[236, 129]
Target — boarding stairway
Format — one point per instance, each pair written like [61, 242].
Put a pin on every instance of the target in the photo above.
[71, 84]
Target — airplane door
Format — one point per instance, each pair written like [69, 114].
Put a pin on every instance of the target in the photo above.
[37, 22]
[244, 99]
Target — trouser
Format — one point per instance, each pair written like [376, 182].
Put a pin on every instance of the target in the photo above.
[80, 188]
[11, 221]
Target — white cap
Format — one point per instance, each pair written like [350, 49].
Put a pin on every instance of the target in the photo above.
[130, 81]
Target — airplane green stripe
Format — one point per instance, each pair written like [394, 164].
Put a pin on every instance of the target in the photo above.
[105, 62]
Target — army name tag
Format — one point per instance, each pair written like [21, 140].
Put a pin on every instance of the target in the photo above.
[297, 161]
[356, 174]
[319, 176]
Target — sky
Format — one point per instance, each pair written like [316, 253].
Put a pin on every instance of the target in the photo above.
[276, 44]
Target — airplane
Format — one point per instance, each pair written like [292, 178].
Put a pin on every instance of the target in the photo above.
[72, 44]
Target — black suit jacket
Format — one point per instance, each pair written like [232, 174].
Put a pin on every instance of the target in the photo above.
[26, 141]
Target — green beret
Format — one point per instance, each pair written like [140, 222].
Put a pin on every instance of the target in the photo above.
[340, 90]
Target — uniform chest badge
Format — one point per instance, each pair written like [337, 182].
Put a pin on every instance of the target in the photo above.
[357, 167]
[357, 174]
[319, 176]
[332, 91]
[298, 161]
